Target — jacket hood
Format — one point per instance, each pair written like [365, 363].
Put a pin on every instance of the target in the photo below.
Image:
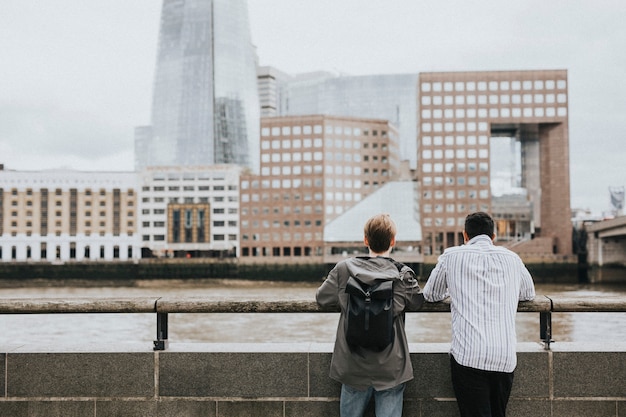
[369, 269]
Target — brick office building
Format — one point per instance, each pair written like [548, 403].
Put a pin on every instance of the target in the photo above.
[460, 113]
[313, 168]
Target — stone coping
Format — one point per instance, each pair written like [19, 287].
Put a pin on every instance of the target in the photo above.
[299, 347]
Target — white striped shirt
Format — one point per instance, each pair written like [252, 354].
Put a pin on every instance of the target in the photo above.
[485, 283]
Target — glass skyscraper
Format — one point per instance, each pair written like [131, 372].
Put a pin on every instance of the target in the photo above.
[205, 107]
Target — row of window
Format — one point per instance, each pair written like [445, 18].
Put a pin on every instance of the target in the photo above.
[275, 183]
[296, 143]
[58, 213]
[449, 208]
[455, 127]
[245, 224]
[319, 156]
[281, 251]
[317, 129]
[460, 194]
[455, 153]
[285, 237]
[302, 170]
[494, 85]
[191, 200]
[189, 176]
[317, 143]
[299, 169]
[450, 181]
[146, 188]
[494, 113]
[29, 203]
[216, 210]
[58, 223]
[216, 238]
[289, 184]
[286, 210]
[459, 167]
[59, 192]
[217, 223]
[43, 252]
[86, 233]
[493, 99]
[449, 221]
[454, 140]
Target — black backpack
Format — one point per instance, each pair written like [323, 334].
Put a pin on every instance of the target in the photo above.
[369, 317]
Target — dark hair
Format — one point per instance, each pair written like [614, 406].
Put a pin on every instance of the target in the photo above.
[380, 231]
[478, 223]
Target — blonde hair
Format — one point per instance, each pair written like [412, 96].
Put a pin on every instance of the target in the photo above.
[380, 231]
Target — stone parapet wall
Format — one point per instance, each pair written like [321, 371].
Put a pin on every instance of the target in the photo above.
[227, 380]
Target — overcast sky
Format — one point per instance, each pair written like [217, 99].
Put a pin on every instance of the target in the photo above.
[76, 75]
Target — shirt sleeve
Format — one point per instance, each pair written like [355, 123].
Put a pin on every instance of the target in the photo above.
[527, 287]
[436, 288]
[327, 294]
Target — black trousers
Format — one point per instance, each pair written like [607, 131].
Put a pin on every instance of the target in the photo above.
[480, 393]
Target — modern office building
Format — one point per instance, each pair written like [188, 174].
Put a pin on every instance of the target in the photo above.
[189, 212]
[205, 107]
[390, 97]
[464, 117]
[272, 85]
[313, 169]
[65, 216]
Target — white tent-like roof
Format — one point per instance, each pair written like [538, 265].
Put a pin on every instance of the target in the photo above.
[394, 198]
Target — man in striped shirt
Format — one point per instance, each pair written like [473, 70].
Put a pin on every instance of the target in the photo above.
[484, 283]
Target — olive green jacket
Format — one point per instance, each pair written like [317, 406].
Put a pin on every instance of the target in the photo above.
[361, 368]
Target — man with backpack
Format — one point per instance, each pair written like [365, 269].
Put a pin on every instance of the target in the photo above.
[371, 354]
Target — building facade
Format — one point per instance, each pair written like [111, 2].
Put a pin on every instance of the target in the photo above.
[313, 169]
[189, 212]
[205, 107]
[272, 85]
[460, 114]
[61, 216]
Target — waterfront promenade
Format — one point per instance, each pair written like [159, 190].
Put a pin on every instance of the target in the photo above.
[288, 379]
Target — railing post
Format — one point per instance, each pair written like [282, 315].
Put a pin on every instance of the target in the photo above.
[161, 342]
[545, 328]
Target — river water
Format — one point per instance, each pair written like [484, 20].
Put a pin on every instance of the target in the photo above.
[47, 329]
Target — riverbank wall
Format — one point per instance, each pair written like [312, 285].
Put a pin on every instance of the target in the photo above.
[231, 269]
[283, 380]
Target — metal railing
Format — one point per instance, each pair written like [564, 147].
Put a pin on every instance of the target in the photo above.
[545, 305]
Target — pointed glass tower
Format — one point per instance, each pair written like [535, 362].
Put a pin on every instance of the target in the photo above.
[205, 106]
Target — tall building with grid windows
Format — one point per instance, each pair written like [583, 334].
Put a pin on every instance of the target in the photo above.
[205, 106]
[313, 169]
[463, 117]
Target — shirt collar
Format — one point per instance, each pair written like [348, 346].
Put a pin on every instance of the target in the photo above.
[480, 239]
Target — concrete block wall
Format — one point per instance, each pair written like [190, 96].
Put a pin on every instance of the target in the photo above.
[281, 380]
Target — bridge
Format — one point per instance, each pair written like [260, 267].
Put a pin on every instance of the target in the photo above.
[606, 242]
[169, 378]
